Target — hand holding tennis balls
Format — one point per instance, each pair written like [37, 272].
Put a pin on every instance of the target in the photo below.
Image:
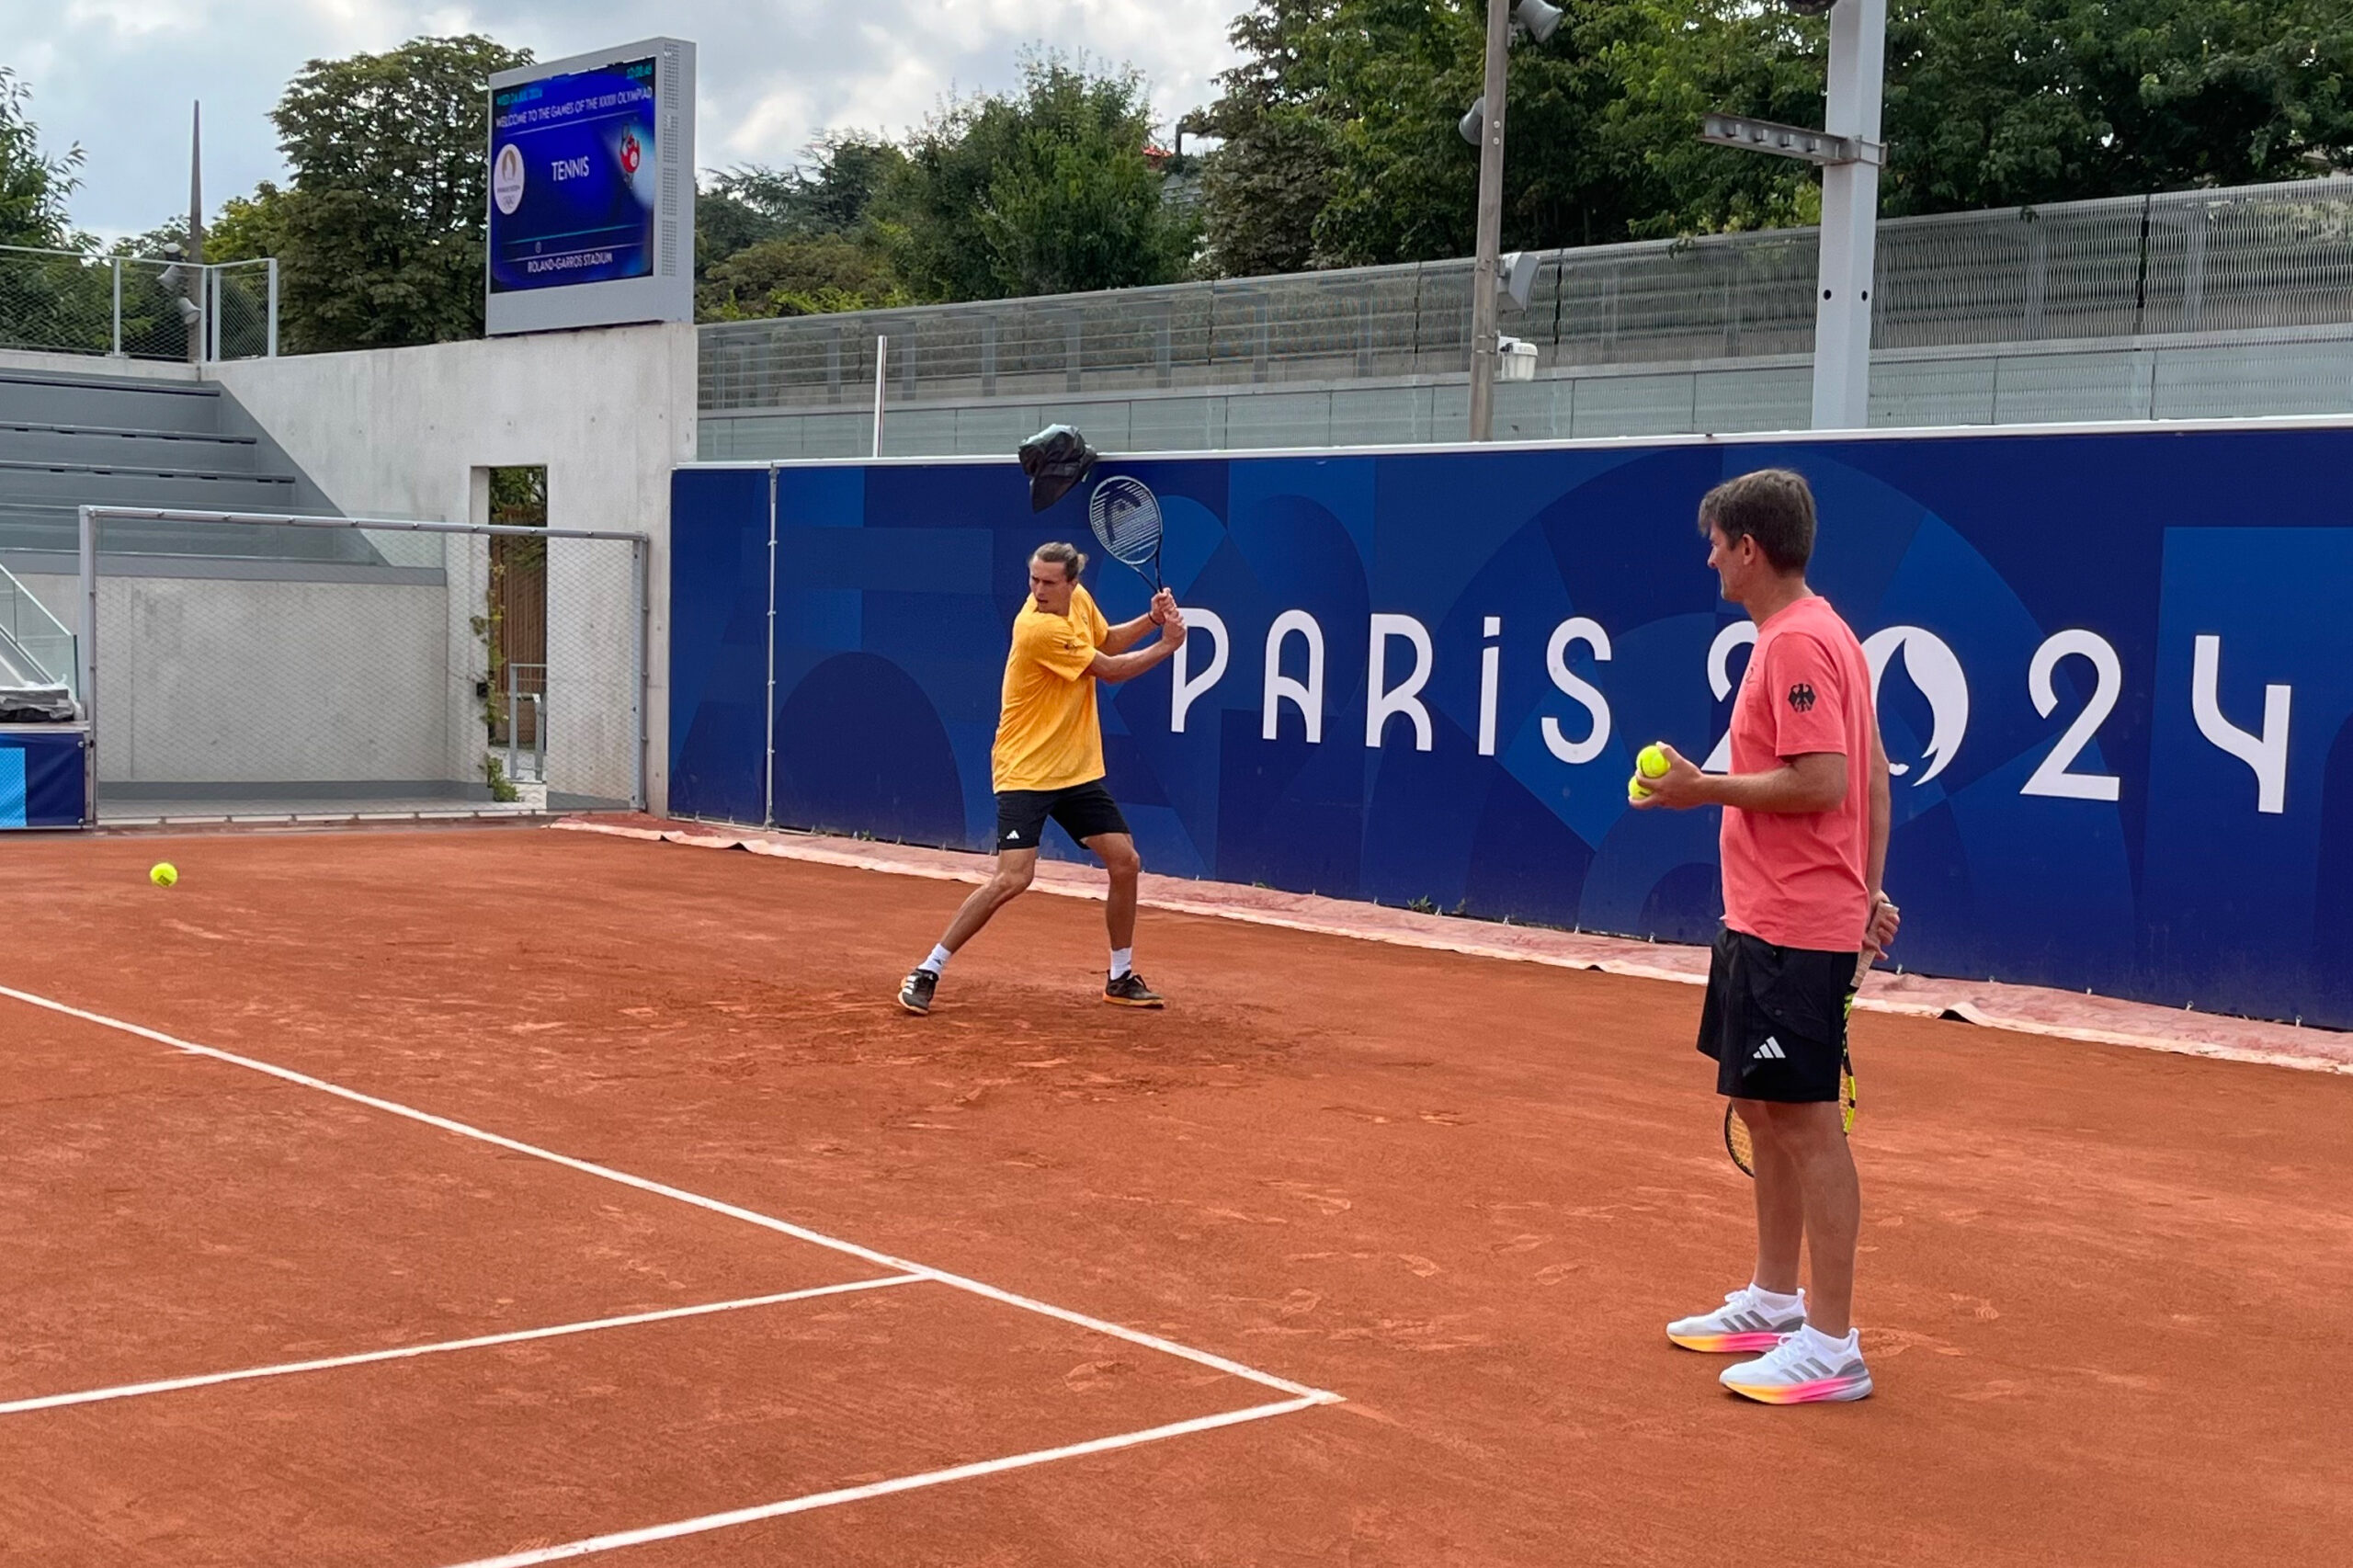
[164, 874]
[1662, 776]
[1649, 763]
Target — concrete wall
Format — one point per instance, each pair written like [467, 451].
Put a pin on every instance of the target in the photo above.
[407, 433]
[97, 365]
[273, 680]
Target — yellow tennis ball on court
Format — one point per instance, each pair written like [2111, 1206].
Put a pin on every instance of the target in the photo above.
[164, 874]
[1650, 761]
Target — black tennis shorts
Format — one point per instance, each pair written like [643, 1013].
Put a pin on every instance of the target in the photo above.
[1084, 810]
[1774, 1019]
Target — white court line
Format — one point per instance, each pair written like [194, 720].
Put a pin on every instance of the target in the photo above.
[715, 1206]
[883, 1488]
[670, 1314]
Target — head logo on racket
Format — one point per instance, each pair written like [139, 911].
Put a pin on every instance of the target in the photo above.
[1125, 516]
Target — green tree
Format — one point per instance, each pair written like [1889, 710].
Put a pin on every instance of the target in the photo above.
[1341, 148]
[380, 235]
[1341, 141]
[33, 184]
[799, 276]
[799, 241]
[248, 227]
[1045, 191]
[830, 193]
[1276, 165]
[1997, 103]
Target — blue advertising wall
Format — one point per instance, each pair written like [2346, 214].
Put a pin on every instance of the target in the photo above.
[2115, 670]
[41, 777]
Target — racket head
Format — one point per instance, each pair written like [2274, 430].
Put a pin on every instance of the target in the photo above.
[1125, 516]
[1743, 1149]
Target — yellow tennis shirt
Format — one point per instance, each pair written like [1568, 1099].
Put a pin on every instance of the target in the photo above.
[1048, 736]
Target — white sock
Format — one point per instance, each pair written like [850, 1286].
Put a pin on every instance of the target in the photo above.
[1819, 1344]
[937, 961]
[1123, 959]
[1773, 1300]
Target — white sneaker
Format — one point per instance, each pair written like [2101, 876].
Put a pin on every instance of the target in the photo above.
[1800, 1371]
[1742, 1325]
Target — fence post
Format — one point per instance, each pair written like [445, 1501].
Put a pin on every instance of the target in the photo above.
[115, 350]
[882, 363]
[643, 554]
[272, 263]
[767, 748]
[86, 650]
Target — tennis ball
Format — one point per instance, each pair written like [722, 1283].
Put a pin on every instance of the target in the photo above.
[1652, 761]
[164, 874]
[1634, 790]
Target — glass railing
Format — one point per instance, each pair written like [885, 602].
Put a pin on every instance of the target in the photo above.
[34, 648]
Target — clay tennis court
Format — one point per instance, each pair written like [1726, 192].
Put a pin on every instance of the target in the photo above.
[1391, 1235]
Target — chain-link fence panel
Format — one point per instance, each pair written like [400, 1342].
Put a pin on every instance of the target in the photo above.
[244, 670]
[136, 307]
[244, 309]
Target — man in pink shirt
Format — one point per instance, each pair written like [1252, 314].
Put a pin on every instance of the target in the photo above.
[1804, 848]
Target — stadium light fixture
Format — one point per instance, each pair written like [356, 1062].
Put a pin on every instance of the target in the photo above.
[1537, 19]
[1516, 276]
[1474, 123]
[180, 279]
[1818, 147]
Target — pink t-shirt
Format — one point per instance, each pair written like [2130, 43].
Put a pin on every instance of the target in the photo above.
[1797, 879]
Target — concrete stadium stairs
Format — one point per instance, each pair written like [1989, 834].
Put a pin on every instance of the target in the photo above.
[71, 440]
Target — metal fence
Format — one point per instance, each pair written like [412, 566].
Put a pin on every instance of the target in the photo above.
[137, 307]
[280, 689]
[2251, 257]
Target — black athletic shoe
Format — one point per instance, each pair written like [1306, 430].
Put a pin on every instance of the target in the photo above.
[914, 991]
[1130, 991]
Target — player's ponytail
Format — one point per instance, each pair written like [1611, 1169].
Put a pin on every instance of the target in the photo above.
[1066, 556]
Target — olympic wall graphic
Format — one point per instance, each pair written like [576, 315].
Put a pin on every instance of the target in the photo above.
[2114, 671]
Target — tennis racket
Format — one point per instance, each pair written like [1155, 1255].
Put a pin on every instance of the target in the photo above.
[1737, 1143]
[1125, 516]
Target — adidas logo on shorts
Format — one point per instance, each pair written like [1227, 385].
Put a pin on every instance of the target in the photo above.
[1770, 1051]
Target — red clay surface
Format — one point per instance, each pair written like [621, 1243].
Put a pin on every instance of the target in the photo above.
[2099, 1284]
[2032, 1010]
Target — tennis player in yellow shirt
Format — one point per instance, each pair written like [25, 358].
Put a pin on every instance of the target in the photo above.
[1049, 761]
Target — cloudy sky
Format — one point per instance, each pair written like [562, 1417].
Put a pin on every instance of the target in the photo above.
[118, 76]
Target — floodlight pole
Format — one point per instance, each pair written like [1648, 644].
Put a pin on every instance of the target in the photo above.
[1842, 330]
[1484, 341]
[194, 249]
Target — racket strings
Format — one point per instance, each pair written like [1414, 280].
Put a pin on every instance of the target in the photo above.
[1126, 519]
